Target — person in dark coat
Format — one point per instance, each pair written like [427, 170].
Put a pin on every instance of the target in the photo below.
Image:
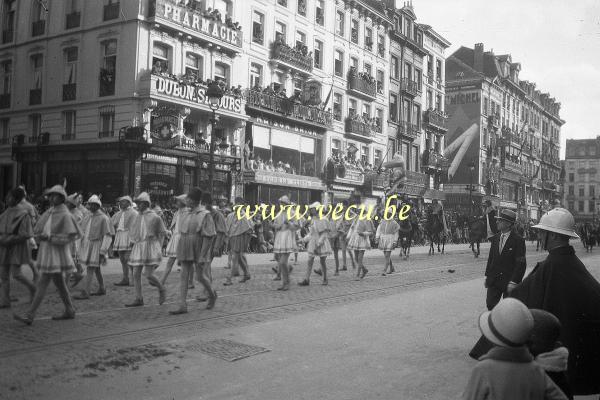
[563, 286]
[506, 262]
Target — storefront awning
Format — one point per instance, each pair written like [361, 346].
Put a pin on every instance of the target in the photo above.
[283, 179]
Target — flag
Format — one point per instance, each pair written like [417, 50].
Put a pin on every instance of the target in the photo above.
[328, 96]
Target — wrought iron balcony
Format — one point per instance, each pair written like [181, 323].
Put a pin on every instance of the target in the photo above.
[278, 105]
[291, 57]
[513, 166]
[69, 91]
[111, 11]
[38, 27]
[7, 36]
[410, 87]
[494, 120]
[73, 20]
[436, 119]
[358, 129]
[362, 84]
[5, 100]
[68, 136]
[106, 134]
[35, 97]
[434, 161]
[408, 130]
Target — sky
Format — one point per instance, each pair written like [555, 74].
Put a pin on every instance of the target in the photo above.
[557, 43]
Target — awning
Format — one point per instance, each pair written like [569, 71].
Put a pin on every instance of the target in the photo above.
[434, 194]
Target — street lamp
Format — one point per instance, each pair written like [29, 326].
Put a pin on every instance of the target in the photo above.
[214, 95]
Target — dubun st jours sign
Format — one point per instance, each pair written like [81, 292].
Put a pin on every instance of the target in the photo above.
[194, 94]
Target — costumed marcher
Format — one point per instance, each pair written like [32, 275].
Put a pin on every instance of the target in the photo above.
[55, 230]
[147, 234]
[506, 262]
[239, 232]
[97, 236]
[386, 237]
[217, 241]
[33, 214]
[547, 350]
[343, 227]
[359, 240]
[171, 252]
[16, 229]
[318, 244]
[122, 222]
[76, 276]
[563, 286]
[285, 241]
[197, 229]
[508, 370]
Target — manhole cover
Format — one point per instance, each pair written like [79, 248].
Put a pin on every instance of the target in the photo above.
[227, 350]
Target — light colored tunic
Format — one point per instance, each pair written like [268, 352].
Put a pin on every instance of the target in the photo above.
[387, 235]
[147, 233]
[318, 238]
[97, 236]
[175, 234]
[122, 222]
[285, 236]
[357, 235]
[197, 230]
[61, 228]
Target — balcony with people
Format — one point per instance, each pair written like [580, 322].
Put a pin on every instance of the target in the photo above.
[297, 58]
[433, 161]
[436, 119]
[362, 84]
[408, 130]
[410, 87]
[359, 127]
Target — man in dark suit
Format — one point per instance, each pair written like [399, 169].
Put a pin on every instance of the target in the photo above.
[506, 262]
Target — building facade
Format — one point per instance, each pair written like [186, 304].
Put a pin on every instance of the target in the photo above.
[112, 96]
[503, 135]
[582, 178]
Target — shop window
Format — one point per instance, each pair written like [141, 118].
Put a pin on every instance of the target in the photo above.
[108, 71]
[160, 59]
[222, 72]
[256, 75]
[258, 33]
[107, 121]
[193, 66]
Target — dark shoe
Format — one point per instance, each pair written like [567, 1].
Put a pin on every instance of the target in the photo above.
[212, 300]
[318, 272]
[136, 303]
[162, 296]
[236, 274]
[191, 286]
[364, 272]
[392, 271]
[245, 278]
[100, 292]
[227, 283]
[383, 274]
[344, 268]
[201, 298]
[178, 311]
[63, 316]
[325, 283]
[152, 284]
[82, 296]
[26, 319]
[336, 273]
[284, 288]
[122, 283]
[277, 278]
[303, 283]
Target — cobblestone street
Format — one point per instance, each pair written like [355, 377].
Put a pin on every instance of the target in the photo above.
[52, 351]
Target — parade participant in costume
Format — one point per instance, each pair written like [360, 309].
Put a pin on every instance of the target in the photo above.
[490, 217]
[239, 232]
[122, 222]
[77, 276]
[508, 370]
[506, 262]
[562, 285]
[55, 230]
[181, 202]
[216, 242]
[97, 236]
[285, 242]
[16, 229]
[197, 229]
[386, 237]
[33, 215]
[359, 241]
[147, 234]
[318, 244]
[343, 227]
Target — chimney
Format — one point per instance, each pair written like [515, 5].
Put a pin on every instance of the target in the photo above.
[478, 57]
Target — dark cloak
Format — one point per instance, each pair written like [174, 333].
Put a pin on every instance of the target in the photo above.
[563, 286]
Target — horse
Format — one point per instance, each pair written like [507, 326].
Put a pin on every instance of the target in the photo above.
[588, 237]
[436, 233]
[477, 234]
[407, 227]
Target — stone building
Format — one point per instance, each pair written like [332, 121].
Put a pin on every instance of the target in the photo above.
[582, 178]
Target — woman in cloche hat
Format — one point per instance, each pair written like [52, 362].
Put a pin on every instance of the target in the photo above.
[55, 230]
